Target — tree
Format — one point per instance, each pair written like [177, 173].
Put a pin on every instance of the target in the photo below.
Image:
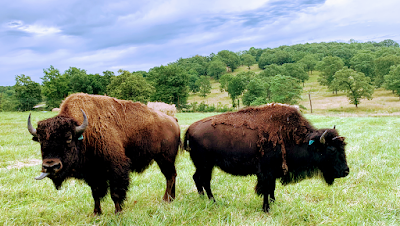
[392, 80]
[272, 70]
[356, 85]
[296, 71]
[171, 84]
[78, 81]
[363, 62]
[224, 81]
[309, 62]
[204, 85]
[230, 59]
[248, 60]
[284, 89]
[328, 67]
[128, 86]
[274, 56]
[216, 69]
[55, 87]
[236, 87]
[27, 92]
[382, 67]
[193, 86]
[255, 89]
[389, 43]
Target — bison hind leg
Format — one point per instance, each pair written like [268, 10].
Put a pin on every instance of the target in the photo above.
[167, 167]
[202, 179]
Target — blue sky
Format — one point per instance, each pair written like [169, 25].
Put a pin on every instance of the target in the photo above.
[138, 35]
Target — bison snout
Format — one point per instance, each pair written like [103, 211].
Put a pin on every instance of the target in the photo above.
[346, 172]
[51, 165]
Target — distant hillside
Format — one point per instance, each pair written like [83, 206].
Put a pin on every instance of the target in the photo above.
[323, 101]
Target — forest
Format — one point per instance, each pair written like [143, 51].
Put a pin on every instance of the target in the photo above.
[354, 68]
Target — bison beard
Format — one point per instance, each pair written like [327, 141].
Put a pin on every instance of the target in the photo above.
[118, 137]
[272, 141]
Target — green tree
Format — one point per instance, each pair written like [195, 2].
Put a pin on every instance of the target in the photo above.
[204, 85]
[171, 84]
[255, 89]
[216, 69]
[328, 67]
[224, 81]
[248, 60]
[309, 62]
[236, 87]
[356, 85]
[128, 86]
[284, 89]
[8, 100]
[296, 71]
[392, 80]
[78, 81]
[272, 70]
[389, 43]
[363, 62]
[382, 68]
[55, 86]
[230, 59]
[193, 86]
[274, 56]
[27, 92]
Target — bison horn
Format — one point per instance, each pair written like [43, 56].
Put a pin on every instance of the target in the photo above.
[30, 127]
[334, 127]
[43, 175]
[339, 138]
[80, 129]
[322, 138]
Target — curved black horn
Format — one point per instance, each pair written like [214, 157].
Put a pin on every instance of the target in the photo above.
[30, 127]
[322, 138]
[80, 129]
[334, 127]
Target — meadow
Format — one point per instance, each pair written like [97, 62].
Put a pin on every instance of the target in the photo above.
[368, 196]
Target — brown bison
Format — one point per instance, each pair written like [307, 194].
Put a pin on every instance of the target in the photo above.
[272, 141]
[101, 139]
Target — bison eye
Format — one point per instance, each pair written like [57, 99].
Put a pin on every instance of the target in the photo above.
[69, 140]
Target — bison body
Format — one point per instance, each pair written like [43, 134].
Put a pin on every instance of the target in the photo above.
[104, 143]
[273, 141]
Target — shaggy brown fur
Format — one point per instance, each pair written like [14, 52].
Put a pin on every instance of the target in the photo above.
[121, 136]
[275, 123]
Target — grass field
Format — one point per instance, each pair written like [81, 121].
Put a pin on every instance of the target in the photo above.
[368, 196]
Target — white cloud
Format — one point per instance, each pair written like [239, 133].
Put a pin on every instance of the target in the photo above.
[33, 28]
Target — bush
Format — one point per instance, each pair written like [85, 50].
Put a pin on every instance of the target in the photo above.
[203, 107]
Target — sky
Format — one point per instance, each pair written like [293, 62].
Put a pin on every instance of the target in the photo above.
[141, 34]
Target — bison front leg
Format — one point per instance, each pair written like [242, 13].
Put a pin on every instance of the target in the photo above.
[266, 187]
[98, 192]
[118, 186]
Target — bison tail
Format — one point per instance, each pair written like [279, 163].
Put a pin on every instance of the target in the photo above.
[185, 143]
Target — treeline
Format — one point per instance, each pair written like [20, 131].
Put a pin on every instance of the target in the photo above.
[355, 68]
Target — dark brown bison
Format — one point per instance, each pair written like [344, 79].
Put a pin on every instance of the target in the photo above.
[101, 139]
[272, 141]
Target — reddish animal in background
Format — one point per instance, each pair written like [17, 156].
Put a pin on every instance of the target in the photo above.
[101, 140]
[272, 141]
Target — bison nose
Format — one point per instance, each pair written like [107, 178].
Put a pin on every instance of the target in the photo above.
[51, 165]
[346, 172]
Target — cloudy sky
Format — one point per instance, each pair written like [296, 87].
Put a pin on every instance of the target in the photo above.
[138, 35]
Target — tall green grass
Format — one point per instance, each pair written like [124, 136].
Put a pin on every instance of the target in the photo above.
[368, 196]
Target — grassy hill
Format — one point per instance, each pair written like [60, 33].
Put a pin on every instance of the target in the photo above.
[323, 101]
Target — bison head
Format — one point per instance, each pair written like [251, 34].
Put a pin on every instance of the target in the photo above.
[59, 139]
[329, 148]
